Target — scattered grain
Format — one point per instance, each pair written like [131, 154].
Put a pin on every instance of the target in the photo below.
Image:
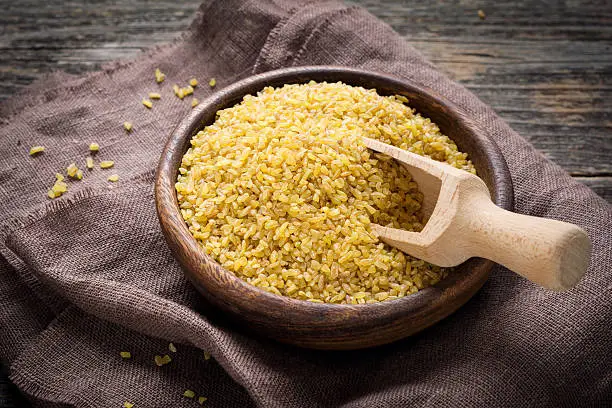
[179, 92]
[212, 82]
[194, 102]
[125, 354]
[159, 76]
[127, 404]
[113, 178]
[94, 147]
[193, 82]
[90, 163]
[481, 14]
[147, 103]
[160, 361]
[189, 394]
[107, 164]
[172, 347]
[202, 400]
[36, 149]
[58, 188]
[127, 126]
[154, 95]
[72, 170]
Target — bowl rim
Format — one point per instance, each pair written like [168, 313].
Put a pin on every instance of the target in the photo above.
[248, 302]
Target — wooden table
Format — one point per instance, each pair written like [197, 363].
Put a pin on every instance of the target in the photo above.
[546, 66]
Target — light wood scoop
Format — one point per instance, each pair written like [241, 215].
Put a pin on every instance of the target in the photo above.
[463, 222]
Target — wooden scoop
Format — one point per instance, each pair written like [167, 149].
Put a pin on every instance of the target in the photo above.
[463, 222]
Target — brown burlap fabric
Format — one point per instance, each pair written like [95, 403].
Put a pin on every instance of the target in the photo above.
[88, 275]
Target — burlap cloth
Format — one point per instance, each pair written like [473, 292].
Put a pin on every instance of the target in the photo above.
[88, 275]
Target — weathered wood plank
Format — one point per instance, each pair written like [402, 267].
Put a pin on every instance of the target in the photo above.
[543, 20]
[601, 185]
[41, 36]
[546, 67]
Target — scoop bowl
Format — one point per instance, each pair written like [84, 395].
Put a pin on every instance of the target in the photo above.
[462, 222]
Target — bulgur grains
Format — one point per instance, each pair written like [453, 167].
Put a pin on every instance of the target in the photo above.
[94, 147]
[160, 361]
[72, 171]
[193, 82]
[128, 126]
[58, 188]
[281, 191]
[154, 95]
[172, 347]
[113, 178]
[147, 103]
[194, 102]
[36, 149]
[90, 163]
[179, 92]
[127, 404]
[107, 164]
[159, 76]
[125, 354]
[202, 400]
[189, 394]
[212, 82]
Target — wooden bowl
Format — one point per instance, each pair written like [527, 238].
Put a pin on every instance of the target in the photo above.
[319, 325]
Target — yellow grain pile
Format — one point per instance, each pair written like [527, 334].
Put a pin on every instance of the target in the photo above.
[281, 191]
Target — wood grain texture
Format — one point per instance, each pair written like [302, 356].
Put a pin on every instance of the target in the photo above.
[319, 325]
[544, 66]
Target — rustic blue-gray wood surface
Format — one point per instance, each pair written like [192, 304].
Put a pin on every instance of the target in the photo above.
[544, 66]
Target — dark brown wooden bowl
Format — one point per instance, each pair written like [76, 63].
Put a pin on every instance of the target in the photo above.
[319, 325]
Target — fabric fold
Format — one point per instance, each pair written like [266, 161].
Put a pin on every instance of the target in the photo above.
[75, 334]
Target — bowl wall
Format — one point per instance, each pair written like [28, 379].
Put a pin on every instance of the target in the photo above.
[316, 325]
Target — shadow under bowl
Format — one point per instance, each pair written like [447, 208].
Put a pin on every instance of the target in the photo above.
[320, 325]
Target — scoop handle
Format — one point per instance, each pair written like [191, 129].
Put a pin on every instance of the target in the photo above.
[551, 253]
